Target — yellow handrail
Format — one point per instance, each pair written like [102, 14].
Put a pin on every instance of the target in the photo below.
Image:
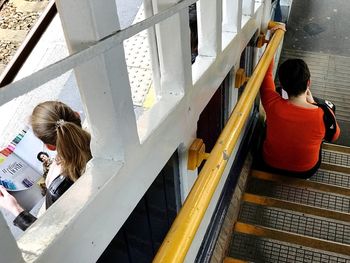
[180, 236]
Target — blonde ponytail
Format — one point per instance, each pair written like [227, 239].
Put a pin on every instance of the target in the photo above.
[72, 147]
[56, 124]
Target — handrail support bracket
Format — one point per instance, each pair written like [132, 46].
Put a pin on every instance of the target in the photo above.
[196, 154]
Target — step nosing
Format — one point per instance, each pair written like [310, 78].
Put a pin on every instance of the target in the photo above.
[297, 239]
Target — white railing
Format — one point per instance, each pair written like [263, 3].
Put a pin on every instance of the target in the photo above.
[128, 154]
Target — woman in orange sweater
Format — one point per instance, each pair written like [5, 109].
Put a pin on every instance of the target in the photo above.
[297, 126]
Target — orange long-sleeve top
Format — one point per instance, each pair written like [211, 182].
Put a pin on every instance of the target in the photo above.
[293, 134]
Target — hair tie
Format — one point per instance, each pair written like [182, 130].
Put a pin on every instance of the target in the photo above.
[59, 123]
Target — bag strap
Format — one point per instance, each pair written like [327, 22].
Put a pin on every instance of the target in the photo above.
[328, 119]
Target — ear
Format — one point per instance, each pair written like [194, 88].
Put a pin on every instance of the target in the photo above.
[50, 147]
[308, 83]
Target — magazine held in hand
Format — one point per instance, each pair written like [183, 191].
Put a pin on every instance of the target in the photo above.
[20, 167]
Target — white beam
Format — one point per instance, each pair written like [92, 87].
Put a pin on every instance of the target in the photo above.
[232, 15]
[173, 41]
[248, 7]
[103, 81]
[227, 15]
[266, 15]
[209, 17]
[8, 247]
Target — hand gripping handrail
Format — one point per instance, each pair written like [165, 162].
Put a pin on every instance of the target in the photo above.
[180, 236]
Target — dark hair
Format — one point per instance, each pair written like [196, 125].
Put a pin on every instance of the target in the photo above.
[294, 75]
[41, 153]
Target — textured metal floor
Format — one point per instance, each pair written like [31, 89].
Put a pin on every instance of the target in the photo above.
[300, 195]
[253, 246]
[296, 222]
[332, 177]
[254, 249]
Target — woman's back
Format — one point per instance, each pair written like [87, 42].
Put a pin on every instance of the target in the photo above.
[294, 135]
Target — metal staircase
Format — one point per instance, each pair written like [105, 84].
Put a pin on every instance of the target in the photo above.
[284, 219]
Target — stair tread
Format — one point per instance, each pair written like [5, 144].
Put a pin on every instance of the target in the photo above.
[287, 180]
[336, 148]
[339, 158]
[332, 178]
[293, 238]
[295, 222]
[233, 260]
[305, 196]
[296, 207]
[257, 249]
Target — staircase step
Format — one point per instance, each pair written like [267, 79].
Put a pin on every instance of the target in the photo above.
[233, 260]
[302, 183]
[257, 249]
[295, 222]
[336, 148]
[332, 178]
[286, 219]
[329, 155]
[297, 239]
[299, 195]
[335, 168]
[306, 209]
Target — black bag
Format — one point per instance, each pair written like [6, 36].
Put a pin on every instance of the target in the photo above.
[328, 117]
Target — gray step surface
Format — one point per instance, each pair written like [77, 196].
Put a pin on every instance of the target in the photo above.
[257, 249]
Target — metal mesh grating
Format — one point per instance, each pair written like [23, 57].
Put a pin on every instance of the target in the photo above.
[256, 249]
[336, 158]
[295, 222]
[333, 178]
[300, 195]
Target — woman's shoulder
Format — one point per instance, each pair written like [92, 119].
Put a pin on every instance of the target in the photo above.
[57, 188]
[59, 184]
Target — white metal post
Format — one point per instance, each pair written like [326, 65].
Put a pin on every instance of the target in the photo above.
[209, 17]
[266, 15]
[232, 15]
[103, 82]
[248, 7]
[239, 14]
[9, 251]
[173, 41]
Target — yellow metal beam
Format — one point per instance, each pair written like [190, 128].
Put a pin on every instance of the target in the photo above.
[179, 238]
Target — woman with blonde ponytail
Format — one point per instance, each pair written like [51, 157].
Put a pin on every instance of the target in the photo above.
[59, 128]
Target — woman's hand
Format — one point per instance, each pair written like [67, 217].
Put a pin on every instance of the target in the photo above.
[309, 97]
[8, 202]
